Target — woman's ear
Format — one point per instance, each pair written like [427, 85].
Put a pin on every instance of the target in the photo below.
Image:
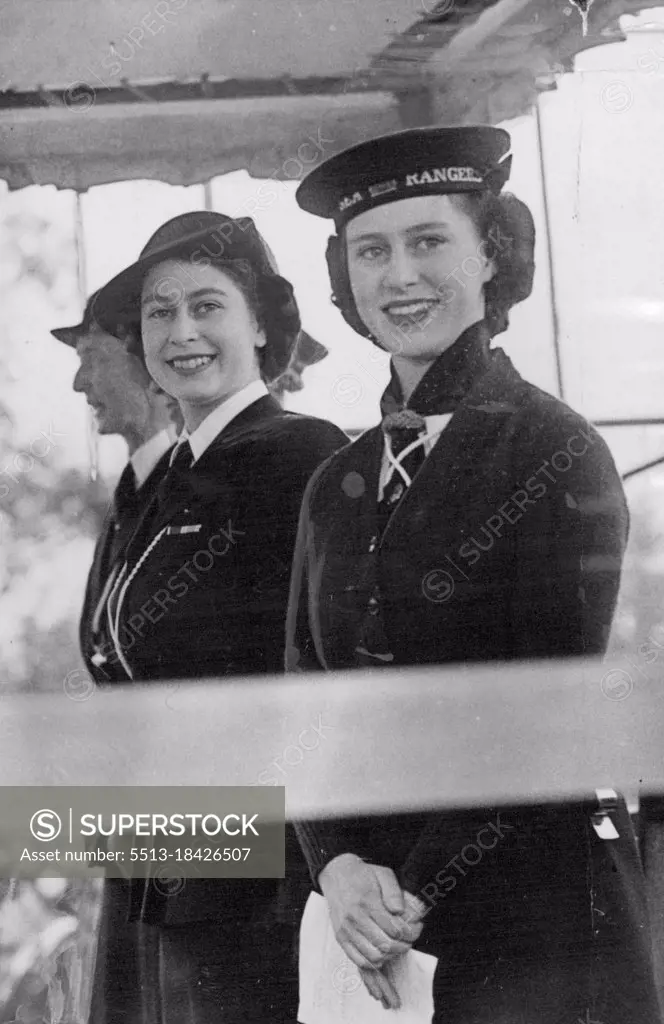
[260, 340]
[489, 267]
[489, 270]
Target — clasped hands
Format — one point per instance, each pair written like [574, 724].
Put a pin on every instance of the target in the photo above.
[374, 920]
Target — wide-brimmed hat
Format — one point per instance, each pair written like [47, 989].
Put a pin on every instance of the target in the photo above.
[306, 353]
[205, 237]
[72, 335]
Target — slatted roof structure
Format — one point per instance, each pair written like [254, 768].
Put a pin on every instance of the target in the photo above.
[95, 92]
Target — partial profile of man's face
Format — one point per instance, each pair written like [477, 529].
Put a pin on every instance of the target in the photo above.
[113, 382]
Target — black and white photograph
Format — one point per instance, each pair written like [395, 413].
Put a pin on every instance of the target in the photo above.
[331, 512]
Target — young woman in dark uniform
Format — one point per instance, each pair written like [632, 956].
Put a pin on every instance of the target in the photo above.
[204, 586]
[483, 520]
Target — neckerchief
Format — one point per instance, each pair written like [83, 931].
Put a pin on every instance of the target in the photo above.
[445, 383]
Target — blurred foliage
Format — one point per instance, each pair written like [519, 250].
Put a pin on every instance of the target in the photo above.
[47, 508]
[50, 515]
[48, 934]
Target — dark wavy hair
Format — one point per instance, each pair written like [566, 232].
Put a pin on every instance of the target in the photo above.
[506, 227]
[270, 298]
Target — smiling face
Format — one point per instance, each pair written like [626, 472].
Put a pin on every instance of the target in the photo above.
[114, 384]
[200, 336]
[417, 271]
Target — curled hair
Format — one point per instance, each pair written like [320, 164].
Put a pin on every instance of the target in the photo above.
[506, 227]
[271, 299]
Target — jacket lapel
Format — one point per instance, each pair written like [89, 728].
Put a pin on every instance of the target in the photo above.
[472, 432]
[255, 417]
[358, 476]
[205, 478]
[344, 547]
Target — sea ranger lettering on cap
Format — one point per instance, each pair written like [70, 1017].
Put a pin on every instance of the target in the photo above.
[430, 176]
[350, 201]
[435, 174]
[417, 161]
[383, 188]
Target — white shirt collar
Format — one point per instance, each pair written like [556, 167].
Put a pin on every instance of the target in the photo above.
[434, 428]
[218, 420]
[146, 457]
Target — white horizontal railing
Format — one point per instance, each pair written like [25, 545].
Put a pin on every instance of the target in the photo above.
[357, 742]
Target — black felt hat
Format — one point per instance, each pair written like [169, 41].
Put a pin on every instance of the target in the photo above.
[206, 237]
[72, 335]
[308, 351]
[420, 161]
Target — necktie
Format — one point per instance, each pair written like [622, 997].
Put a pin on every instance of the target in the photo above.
[173, 486]
[124, 499]
[182, 456]
[180, 463]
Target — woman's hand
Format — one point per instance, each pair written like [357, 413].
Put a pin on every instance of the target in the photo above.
[379, 985]
[367, 909]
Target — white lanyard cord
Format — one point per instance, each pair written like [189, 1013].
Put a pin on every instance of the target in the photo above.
[114, 620]
[108, 587]
[395, 462]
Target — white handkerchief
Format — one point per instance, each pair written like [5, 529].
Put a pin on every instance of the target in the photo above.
[332, 991]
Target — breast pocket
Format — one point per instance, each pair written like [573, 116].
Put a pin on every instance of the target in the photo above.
[190, 555]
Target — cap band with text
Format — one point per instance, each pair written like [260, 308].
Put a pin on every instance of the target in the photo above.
[412, 163]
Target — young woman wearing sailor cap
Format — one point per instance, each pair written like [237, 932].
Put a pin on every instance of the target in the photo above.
[483, 520]
[204, 585]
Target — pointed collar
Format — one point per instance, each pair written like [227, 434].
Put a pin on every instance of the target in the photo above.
[449, 379]
[201, 438]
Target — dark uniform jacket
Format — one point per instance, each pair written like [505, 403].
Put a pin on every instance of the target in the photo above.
[117, 958]
[119, 525]
[208, 571]
[507, 545]
[205, 586]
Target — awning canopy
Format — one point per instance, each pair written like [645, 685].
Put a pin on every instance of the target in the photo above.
[101, 91]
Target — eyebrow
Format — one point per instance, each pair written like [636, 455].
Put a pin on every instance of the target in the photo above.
[190, 295]
[428, 226]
